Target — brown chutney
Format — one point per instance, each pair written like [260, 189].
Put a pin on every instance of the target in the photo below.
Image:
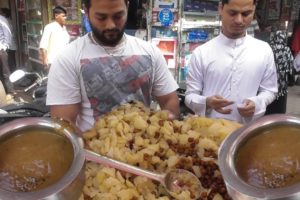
[270, 159]
[33, 159]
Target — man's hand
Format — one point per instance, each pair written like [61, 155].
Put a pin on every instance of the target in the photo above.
[248, 108]
[3, 47]
[45, 63]
[218, 103]
[170, 102]
[47, 67]
[44, 58]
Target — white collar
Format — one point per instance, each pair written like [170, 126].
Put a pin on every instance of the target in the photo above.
[58, 24]
[232, 42]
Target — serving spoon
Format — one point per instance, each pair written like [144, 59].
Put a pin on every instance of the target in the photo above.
[175, 181]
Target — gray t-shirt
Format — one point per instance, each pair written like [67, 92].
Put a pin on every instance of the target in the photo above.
[101, 79]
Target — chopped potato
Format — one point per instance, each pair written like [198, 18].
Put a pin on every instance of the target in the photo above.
[147, 139]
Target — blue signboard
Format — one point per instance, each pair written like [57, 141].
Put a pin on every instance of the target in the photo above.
[166, 17]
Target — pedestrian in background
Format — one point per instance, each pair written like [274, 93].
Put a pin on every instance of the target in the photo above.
[295, 48]
[232, 76]
[5, 41]
[295, 45]
[11, 51]
[85, 24]
[284, 61]
[55, 37]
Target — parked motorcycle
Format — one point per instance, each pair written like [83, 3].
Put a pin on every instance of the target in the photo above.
[30, 85]
[30, 98]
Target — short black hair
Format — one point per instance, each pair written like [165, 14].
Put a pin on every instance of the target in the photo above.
[6, 12]
[227, 1]
[87, 3]
[59, 10]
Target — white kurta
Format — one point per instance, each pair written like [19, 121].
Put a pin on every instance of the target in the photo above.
[55, 37]
[236, 69]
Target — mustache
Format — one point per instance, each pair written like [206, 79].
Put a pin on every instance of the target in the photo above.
[111, 31]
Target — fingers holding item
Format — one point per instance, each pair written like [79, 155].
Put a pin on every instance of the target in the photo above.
[224, 110]
[47, 67]
[248, 109]
[219, 104]
[172, 116]
[246, 113]
[226, 103]
[216, 102]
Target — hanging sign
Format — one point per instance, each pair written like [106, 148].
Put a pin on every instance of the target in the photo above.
[166, 17]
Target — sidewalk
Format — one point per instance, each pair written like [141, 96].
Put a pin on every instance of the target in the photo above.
[293, 101]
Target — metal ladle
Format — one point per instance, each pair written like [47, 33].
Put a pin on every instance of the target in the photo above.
[175, 181]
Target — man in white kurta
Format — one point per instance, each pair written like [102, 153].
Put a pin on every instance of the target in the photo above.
[55, 37]
[233, 76]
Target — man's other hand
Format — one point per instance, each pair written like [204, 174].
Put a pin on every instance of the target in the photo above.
[248, 108]
[219, 104]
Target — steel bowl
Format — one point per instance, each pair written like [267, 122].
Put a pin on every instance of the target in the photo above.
[237, 188]
[69, 187]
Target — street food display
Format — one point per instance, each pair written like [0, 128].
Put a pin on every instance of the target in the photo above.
[271, 159]
[29, 163]
[139, 136]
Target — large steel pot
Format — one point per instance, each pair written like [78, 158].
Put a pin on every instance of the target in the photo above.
[239, 189]
[69, 187]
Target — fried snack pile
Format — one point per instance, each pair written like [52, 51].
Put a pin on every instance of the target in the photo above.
[136, 135]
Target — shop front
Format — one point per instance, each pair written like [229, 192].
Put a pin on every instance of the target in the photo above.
[29, 18]
[177, 27]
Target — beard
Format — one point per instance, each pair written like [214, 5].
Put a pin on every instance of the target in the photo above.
[109, 37]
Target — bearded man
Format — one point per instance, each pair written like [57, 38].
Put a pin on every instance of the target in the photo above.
[106, 68]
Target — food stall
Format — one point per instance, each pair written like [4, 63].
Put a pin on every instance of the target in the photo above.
[138, 136]
[147, 139]
[131, 134]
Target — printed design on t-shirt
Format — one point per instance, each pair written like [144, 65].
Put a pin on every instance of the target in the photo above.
[110, 81]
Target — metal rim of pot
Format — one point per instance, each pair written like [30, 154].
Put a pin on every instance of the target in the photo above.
[239, 189]
[76, 166]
